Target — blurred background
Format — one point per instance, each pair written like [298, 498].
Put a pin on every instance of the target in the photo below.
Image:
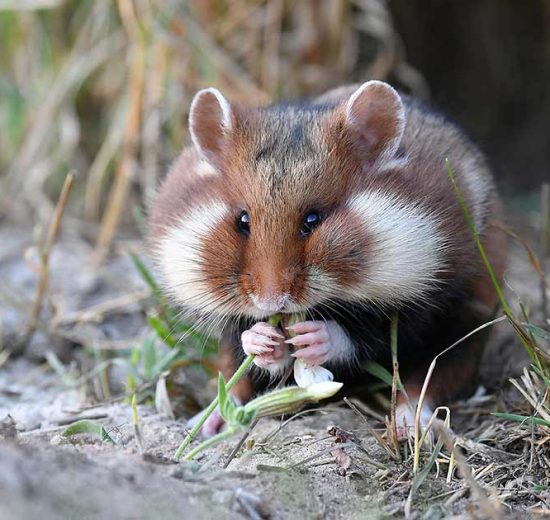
[99, 91]
[102, 88]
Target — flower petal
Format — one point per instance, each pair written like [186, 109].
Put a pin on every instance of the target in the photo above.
[306, 375]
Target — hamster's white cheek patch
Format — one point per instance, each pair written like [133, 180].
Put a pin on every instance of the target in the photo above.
[181, 258]
[406, 248]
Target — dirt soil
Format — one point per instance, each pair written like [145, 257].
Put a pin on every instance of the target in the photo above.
[286, 470]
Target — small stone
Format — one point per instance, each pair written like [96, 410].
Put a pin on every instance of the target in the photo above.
[7, 428]
[58, 439]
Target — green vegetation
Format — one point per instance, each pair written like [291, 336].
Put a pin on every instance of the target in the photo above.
[186, 346]
[85, 426]
[535, 384]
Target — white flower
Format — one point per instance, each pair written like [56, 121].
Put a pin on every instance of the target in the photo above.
[287, 399]
[324, 390]
[306, 375]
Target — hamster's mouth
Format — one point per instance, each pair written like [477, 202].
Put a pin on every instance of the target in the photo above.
[283, 304]
[271, 304]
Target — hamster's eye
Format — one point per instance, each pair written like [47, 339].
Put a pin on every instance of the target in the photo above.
[311, 220]
[243, 223]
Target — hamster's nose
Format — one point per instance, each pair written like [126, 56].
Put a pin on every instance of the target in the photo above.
[270, 304]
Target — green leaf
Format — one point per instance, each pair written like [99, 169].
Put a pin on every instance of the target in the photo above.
[377, 386]
[421, 476]
[134, 357]
[60, 369]
[378, 371]
[132, 369]
[175, 328]
[222, 391]
[526, 419]
[162, 331]
[149, 359]
[242, 417]
[229, 410]
[87, 426]
[12, 110]
[228, 406]
[165, 362]
[146, 276]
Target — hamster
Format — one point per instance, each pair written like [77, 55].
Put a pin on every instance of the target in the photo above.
[339, 207]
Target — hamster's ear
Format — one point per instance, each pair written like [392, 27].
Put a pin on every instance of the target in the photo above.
[210, 122]
[375, 117]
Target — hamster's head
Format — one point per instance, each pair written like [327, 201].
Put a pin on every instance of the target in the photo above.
[277, 215]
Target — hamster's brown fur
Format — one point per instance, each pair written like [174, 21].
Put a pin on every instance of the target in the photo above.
[390, 235]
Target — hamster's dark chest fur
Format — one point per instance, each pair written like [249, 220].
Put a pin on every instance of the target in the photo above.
[423, 331]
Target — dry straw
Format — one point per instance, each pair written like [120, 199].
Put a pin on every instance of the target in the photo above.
[108, 94]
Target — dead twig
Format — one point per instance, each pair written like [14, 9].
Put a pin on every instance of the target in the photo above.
[422, 397]
[385, 444]
[127, 167]
[490, 508]
[95, 313]
[45, 255]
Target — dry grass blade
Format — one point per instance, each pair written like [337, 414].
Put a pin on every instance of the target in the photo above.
[396, 383]
[272, 40]
[421, 399]
[533, 392]
[135, 423]
[45, 255]
[99, 168]
[545, 249]
[28, 5]
[76, 69]
[530, 253]
[98, 311]
[110, 95]
[526, 341]
[490, 508]
[127, 167]
[421, 476]
[388, 446]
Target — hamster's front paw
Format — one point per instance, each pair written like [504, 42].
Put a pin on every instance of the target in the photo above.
[319, 342]
[267, 343]
[312, 339]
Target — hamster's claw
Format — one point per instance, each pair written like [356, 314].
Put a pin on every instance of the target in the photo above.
[315, 337]
[266, 343]
[309, 326]
[313, 355]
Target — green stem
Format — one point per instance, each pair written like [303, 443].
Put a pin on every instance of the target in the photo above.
[209, 442]
[195, 430]
[503, 301]
[477, 240]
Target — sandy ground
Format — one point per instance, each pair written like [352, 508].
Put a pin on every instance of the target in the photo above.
[294, 469]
